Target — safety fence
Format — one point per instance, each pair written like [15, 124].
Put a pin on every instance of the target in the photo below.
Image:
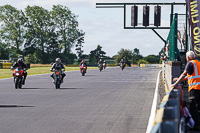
[168, 117]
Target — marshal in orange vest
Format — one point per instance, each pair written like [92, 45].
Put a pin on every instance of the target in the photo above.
[194, 79]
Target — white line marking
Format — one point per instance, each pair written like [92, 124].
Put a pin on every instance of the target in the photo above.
[153, 108]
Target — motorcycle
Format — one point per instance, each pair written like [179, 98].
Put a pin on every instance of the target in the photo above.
[122, 65]
[104, 65]
[100, 67]
[57, 76]
[18, 77]
[83, 69]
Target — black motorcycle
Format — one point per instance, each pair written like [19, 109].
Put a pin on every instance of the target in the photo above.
[57, 76]
[122, 65]
[100, 67]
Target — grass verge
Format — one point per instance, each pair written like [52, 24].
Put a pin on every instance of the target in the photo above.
[7, 73]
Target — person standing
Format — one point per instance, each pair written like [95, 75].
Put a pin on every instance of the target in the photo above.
[192, 74]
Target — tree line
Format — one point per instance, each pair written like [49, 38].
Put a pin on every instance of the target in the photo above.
[129, 56]
[134, 57]
[41, 35]
[38, 34]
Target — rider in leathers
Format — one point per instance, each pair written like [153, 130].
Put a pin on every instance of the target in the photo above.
[21, 65]
[83, 62]
[58, 66]
[100, 62]
[122, 62]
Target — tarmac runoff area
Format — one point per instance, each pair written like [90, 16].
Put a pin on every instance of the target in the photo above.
[111, 101]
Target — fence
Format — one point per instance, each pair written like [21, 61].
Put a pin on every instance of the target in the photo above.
[167, 119]
[5, 65]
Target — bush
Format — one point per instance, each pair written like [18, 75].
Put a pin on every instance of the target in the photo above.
[142, 62]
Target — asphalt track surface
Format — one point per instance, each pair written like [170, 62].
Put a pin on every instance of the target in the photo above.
[111, 101]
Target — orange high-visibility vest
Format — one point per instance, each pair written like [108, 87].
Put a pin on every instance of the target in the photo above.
[194, 79]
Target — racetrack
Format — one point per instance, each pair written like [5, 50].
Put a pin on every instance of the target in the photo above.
[111, 101]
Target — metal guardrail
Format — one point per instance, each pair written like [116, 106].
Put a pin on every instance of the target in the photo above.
[5, 65]
[167, 117]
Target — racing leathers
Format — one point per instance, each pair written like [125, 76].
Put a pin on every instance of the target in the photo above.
[58, 67]
[23, 66]
[100, 62]
[85, 65]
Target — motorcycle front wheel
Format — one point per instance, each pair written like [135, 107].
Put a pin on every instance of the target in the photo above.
[83, 73]
[16, 82]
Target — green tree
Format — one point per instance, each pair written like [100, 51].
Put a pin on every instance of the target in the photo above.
[39, 34]
[96, 54]
[136, 51]
[4, 51]
[66, 27]
[136, 56]
[126, 54]
[152, 58]
[12, 26]
[40, 28]
[141, 61]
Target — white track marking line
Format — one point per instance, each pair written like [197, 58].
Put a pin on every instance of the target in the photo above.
[153, 108]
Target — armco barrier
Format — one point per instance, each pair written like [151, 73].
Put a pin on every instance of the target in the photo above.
[150, 65]
[6, 65]
[167, 117]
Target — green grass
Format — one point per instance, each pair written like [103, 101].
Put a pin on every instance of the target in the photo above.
[7, 73]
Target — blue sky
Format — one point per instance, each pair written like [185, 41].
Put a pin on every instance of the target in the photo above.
[105, 26]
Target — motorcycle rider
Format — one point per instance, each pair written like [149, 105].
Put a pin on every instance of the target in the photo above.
[100, 62]
[58, 66]
[20, 63]
[83, 62]
[122, 62]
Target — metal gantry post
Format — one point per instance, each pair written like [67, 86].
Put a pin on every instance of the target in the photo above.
[124, 16]
[186, 32]
[175, 49]
[172, 13]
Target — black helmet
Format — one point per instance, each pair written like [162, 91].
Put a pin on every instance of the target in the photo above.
[58, 60]
[20, 60]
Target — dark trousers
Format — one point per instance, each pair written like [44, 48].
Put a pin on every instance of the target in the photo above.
[25, 75]
[194, 102]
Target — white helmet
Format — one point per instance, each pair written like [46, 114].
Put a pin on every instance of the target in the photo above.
[58, 60]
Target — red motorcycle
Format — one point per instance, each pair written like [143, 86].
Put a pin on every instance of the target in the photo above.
[104, 65]
[18, 77]
[83, 69]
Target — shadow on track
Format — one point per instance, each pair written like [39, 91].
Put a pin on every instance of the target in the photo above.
[13, 106]
[68, 88]
[32, 88]
[89, 76]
